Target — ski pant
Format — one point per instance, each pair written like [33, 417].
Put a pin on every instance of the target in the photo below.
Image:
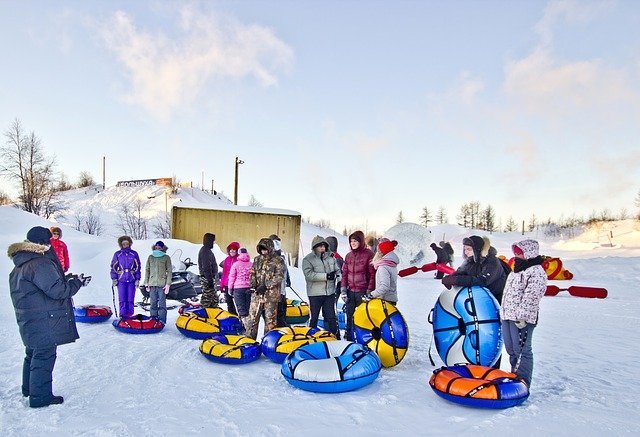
[517, 342]
[37, 373]
[242, 300]
[282, 311]
[268, 303]
[354, 298]
[209, 297]
[126, 294]
[229, 300]
[328, 306]
[158, 303]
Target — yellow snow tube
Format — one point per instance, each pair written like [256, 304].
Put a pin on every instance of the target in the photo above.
[202, 323]
[230, 349]
[297, 312]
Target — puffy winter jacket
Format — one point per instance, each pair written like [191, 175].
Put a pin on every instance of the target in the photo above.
[524, 289]
[483, 268]
[125, 265]
[60, 248]
[206, 259]
[226, 264]
[239, 272]
[41, 297]
[267, 270]
[387, 278]
[358, 274]
[315, 267]
[157, 272]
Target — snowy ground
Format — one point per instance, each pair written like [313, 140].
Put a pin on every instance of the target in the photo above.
[118, 384]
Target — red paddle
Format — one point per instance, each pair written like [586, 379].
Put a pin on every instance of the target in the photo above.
[578, 291]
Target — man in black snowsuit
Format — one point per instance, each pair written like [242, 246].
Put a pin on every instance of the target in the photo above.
[208, 272]
[441, 258]
[41, 296]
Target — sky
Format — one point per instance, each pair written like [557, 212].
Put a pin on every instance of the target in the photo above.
[349, 112]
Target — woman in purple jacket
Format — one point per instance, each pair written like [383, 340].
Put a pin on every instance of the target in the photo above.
[125, 274]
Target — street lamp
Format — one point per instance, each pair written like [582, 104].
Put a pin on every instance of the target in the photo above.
[235, 182]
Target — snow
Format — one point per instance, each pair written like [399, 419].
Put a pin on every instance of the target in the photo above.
[118, 384]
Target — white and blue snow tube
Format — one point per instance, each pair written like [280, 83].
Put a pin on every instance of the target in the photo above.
[331, 367]
[466, 326]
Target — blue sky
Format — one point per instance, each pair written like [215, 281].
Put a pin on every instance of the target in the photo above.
[345, 111]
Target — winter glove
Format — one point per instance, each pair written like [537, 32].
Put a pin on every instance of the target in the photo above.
[210, 283]
[114, 282]
[69, 276]
[521, 324]
[84, 280]
[344, 296]
[449, 281]
[331, 276]
[287, 282]
[167, 288]
[261, 290]
[148, 288]
[231, 292]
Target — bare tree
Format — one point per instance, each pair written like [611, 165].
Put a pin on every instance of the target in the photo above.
[441, 216]
[400, 218]
[63, 183]
[511, 225]
[89, 221]
[533, 222]
[162, 226]
[425, 217]
[254, 202]
[130, 220]
[488, 219]
[24, 162]
[623, 214]
[464, 216]
[85, 179]
[4, 198]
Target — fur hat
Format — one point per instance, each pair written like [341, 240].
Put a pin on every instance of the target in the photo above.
[387, 246]
[39, 235]
[56, 230]
[274, 237]
[358, 236]
[234, 245]
[480, 245]
[123, 238]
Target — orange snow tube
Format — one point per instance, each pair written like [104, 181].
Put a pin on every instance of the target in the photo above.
[554, 269]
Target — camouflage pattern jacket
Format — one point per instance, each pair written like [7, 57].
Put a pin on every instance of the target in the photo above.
[268, 270]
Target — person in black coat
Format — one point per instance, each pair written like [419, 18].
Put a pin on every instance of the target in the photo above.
[441, 258]
[208, 272]
[481, 267]
[41, 296]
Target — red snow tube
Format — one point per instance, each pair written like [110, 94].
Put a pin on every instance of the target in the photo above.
[92, 313]
[138, 324]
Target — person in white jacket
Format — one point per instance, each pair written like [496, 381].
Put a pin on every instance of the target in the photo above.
[386, 272]
[520, 305]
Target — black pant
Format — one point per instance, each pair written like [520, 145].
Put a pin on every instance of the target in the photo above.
[282, 312]
[231, 307]
[328, 306]
[37, 373]
[354, 299]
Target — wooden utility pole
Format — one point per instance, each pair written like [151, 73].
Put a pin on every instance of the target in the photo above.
[104, 159]
[235, 181]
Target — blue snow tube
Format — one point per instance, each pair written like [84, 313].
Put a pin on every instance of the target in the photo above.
[466, 326]
[342, 319]
[230, 349]
[92, 313]
[331, 367]
[138, 324]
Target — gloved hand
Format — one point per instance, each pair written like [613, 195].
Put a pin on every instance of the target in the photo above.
[69, 276]
[366, 297]
[210, 283]
[167, 288]
[231, 292]
[114, 282]
[137, 283]
[331, 276]
[261, 290]
[287, 282]
[146, 287]
[449, 281]
[344, 296]
[84, 280]
[521, 324]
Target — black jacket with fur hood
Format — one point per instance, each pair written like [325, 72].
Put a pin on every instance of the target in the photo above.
[483, 269]
[41, 297]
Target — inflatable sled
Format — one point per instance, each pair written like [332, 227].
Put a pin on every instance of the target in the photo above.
[379, 325]
[331, 367]
[138, 324]
[230, 349]
[554, 269]
[297, 312]
[92, 313]
[466, 326]
[280, 342]
[201, 323]
[479, 386]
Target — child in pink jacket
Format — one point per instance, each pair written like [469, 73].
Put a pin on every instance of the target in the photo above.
[240, 285]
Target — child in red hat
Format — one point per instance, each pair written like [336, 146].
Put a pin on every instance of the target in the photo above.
[387, 272]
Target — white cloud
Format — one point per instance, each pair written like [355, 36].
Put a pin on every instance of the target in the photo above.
[169, 72]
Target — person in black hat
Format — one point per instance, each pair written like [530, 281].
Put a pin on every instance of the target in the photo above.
[41, 297]
[208, 271]
[157, 280]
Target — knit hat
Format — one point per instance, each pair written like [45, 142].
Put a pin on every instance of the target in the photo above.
[56, 230]
[39, 235]
[160, 245]
[243, 250]
[234, 245]
[387, 246]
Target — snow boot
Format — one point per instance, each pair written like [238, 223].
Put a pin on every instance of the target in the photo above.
[39, 403]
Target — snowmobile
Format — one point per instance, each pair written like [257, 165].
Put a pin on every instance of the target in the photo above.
[185, 285]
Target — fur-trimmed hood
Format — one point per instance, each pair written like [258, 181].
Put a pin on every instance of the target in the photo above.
[481, 247]
[266, 243]
[24, 251]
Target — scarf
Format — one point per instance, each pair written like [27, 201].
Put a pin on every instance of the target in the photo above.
[523, 264]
